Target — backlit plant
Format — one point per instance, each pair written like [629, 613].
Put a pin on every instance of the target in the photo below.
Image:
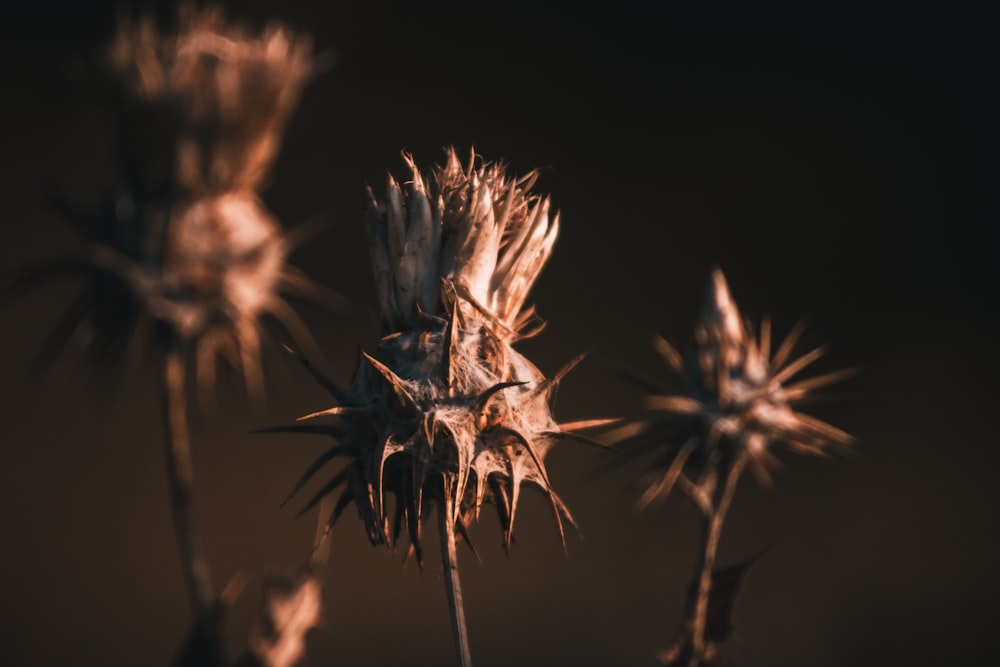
[735, 405]
[445, 413]
[183, 244]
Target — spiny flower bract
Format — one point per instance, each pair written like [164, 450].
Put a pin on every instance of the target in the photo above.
[444, 408]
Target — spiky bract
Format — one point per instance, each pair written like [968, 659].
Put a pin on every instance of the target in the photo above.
[477, 229]
[734, 408]
[444, 407]
[183, 239]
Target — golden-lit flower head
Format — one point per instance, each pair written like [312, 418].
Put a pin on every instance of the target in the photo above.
[475, 232]
[444, 408]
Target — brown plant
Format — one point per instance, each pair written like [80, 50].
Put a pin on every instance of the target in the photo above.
[445, 412]
[734, 408]
[182, 242]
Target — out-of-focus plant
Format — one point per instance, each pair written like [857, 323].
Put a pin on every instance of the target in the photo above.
[445, 413]
[734, 407]
[183, 246]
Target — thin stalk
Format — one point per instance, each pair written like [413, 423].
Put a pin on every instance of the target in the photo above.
[452, 585]
[713, 522]
[181, 479]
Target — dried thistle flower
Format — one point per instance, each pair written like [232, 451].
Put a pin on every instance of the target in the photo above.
[183, 239]
[734, 408]
[444, 411]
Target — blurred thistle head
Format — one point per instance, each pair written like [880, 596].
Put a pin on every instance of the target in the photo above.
[182, 238]
[203, 108]
[735, 406]
[445, 409]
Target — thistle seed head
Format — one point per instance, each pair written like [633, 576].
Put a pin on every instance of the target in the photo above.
[735, 406]
[470, 230]
[444, 406]
[183, 239]
[203, 108]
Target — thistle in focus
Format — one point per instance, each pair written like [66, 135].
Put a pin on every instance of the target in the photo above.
[182, 242]
[445, 413]
[735, 407]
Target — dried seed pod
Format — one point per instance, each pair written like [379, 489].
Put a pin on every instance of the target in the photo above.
[444, 408]
[183, 239]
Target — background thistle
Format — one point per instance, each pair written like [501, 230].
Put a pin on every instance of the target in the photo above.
[183, 241]
[200, 114]
[445, 412]
[734, 408]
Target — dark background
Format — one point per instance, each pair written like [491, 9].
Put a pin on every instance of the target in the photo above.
[839, 163]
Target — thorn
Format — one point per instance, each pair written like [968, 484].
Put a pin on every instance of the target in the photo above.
[565, 435]
[347, 412]
[480, 402]
[589, 423]
[317, 375]
[548, 385]
[682, 405]
[313, 468]
[451, 349]
[460, 525]
[793, 368]
[781, 356]
[428, 423]
[337, 480]
[669, 353]
[399, 388]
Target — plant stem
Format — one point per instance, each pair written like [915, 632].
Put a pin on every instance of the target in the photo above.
[181, 479]
[713, 522]
[452, 585]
